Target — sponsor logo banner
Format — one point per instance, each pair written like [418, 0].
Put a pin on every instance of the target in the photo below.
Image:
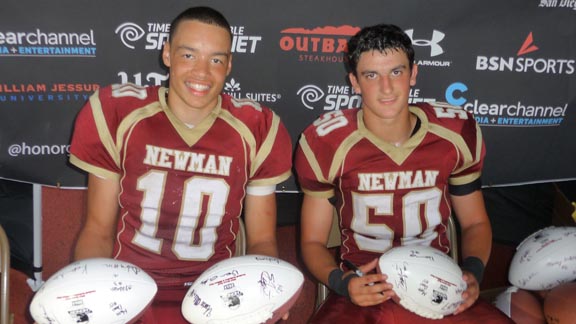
[41, 43]
[521, 64]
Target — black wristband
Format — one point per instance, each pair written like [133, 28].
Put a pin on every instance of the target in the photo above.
[338, 284]
[475, 266]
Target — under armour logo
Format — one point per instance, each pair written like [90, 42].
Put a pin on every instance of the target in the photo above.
[435, 48]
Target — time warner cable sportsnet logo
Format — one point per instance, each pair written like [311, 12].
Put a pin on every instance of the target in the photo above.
[513, 114]
[40, 43]
[523, 64]
[234, 89]
[153, 35]
[336, 97]
[332, 97]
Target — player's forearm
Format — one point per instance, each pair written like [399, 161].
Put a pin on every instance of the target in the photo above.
[90, 245]
[268, 247]
[316, 222]
[476, 232]
[318, 259]
[477, 241]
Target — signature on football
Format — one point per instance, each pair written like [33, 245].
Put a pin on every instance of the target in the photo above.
[401, 282]
[268, 285]
[416, 254]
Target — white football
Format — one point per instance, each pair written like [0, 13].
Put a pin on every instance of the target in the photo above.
[242, 290]
[98, 290]
[545, 259]
[426, 281]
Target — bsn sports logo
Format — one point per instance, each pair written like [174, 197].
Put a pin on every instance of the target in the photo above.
[525, 64]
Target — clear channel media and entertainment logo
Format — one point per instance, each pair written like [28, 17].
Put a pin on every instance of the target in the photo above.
[41, 43]
[517, 113]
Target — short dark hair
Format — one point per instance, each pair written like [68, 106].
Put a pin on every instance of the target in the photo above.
[205, 15]
[382, 38]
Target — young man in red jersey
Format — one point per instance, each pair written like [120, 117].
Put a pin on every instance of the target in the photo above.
[172, 169]
[394, 172]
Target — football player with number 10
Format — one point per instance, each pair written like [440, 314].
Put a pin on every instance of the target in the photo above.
[172, 169]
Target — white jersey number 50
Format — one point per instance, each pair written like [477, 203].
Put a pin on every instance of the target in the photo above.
[374, 235]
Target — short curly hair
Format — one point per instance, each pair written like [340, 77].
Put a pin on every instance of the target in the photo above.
[382, 38]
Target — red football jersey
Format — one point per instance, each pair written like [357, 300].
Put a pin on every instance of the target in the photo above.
[386, 195]
[182, 188]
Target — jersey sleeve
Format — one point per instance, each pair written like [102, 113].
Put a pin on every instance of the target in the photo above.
[273, 160]
[268, 140]
[466, 179]
[90, 149]
[95, 147]
[317, 155]
[460, 127]
[311, 178]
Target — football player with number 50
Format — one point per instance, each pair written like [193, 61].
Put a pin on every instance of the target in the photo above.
[394, 172]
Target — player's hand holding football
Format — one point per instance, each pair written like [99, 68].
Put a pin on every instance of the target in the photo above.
[471, 294]
[371, 288]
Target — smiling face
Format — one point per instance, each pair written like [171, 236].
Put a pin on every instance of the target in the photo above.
[200, 59]
[384, 78]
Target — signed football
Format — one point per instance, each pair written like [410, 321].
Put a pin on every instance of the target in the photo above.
[98, 290]
[426, 281]
[244, 289]
[545, 259]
